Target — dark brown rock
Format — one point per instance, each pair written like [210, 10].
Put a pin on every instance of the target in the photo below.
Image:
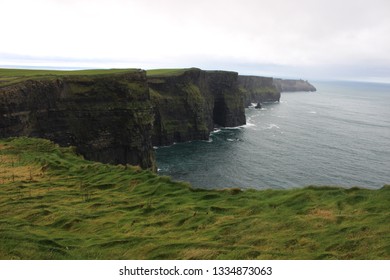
[188, 105]
[108, 118]
[258, 89]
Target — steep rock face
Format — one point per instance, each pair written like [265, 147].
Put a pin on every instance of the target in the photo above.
[188, 105]
[293, 85]
[258, 89]
[228, 107]
[107, 117]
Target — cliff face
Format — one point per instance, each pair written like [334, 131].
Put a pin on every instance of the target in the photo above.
[188, 105]
[293, 85]
[258, 89]
[117, 117]
[107, 117]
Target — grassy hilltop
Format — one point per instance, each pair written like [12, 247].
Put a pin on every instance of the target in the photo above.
[56, 205]
[13, 76]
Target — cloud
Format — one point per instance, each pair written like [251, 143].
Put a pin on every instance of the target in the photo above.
[299, 34]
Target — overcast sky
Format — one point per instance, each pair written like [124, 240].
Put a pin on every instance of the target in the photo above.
[324, 39]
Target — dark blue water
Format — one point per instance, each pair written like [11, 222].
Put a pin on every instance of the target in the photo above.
[339, 135]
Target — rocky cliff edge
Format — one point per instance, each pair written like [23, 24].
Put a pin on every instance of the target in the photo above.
[108, 118]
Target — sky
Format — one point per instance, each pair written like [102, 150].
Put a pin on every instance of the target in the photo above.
[308, 39]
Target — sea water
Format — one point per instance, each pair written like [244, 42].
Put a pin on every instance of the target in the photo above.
[337, 136]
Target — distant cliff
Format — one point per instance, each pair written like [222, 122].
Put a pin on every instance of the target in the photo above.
[188, 104]
[258, 89]
[293, 85]
[107, 117]
[116, 116]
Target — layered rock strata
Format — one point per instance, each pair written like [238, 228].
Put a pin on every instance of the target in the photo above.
[108, 118]
[190, 104]
[258, 89]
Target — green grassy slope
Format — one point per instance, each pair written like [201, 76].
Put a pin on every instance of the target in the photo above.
[166, 72]
[56, 205]
[12, 76]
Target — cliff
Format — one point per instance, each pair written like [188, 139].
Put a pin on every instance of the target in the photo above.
[258, 89]
[107, 117]
[116, 116]
[189, 103]
[293, 85]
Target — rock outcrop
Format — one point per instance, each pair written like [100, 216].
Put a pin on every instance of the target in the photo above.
[188, 105]
[293, 85]
[258, 89]
[108, 118]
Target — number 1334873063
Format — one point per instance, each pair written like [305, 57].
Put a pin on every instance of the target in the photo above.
[242, 270]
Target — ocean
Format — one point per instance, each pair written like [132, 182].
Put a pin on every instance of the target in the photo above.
[337, 136]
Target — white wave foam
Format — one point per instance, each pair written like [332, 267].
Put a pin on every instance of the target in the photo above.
[248, 124]
[312, 112]
[234, 127]
[166, 146]
[233, 140]
[272, 125]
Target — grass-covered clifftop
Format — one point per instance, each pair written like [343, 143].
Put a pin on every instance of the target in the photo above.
[56, 205]
[106, 114]
[14, 76]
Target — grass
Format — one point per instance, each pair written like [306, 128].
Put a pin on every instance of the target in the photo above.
[166, 72]
[56, 205]
[175, 71]
[13, 76]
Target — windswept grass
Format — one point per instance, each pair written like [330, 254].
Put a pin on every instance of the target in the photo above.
[166, 72]
[12, 76]
[56, 205]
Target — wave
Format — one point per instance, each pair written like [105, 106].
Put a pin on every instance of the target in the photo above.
[216, 130]
[233, 140]
[233, 127]
[166, 146]
[272, 125]
[249, 123]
